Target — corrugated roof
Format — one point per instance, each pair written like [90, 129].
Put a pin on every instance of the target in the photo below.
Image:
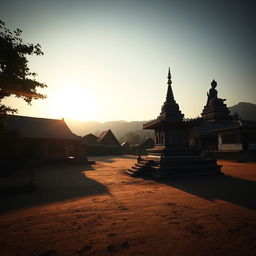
[39, 128]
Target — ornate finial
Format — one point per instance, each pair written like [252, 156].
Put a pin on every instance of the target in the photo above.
[169, 77]
[213, 83]
[169, 90]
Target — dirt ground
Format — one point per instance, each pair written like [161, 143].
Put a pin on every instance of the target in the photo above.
[99, 210]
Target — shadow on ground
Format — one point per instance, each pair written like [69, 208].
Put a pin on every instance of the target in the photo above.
[51, 184]
[111, 159]
[227, 188]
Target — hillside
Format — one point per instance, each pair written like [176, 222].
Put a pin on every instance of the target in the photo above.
[119, 128]
[245, 110]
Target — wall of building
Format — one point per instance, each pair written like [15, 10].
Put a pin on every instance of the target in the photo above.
[231, 147]
[230, 141]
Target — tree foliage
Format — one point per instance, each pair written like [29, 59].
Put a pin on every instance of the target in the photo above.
[15, 75]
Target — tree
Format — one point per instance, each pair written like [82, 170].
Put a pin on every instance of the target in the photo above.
[15, 75]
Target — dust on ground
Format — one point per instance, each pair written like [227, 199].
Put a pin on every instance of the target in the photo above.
[99, 210]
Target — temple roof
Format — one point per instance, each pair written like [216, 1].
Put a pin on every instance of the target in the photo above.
[170, 112]
[39, 128]
[238, 124]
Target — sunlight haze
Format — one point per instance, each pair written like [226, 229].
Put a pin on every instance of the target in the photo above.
[108, 60]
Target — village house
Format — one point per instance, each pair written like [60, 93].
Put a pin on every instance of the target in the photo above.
[105, 144]
[238, 141]
[126, 147]
[42, 139]
[141, 148]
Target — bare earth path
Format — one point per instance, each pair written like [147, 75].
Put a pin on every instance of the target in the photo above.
[76, 210]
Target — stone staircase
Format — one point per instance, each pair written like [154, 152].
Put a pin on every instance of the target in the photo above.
[202, 167]
[141, 168]
[175, 167]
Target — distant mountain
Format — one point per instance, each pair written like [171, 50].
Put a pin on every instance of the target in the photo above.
[246, 111]
[119, 128]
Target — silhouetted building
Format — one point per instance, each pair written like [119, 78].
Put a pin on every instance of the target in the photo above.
[215, 110]
[109, 142]
[215, 115]
[237, 141]
[105, 144]
[147, 144]
[126, 147]
[39, 139]
[172, 155]
[141, 148]
[92, 146]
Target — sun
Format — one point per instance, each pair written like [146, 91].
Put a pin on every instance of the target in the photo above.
[75, 103]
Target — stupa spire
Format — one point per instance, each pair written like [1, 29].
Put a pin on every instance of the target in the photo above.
[169, 90]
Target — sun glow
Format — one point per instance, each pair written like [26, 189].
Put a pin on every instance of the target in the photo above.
[73, 102]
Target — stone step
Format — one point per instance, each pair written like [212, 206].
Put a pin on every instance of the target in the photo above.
[182, 174]
[185, 160]
[140, 164]
[130, 172]
[136, 171]
[186, 167]
[133, 172]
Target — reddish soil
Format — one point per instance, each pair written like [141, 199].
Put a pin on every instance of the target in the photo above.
[77, 210]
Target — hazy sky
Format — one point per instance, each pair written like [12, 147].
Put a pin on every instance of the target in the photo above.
[108, 60]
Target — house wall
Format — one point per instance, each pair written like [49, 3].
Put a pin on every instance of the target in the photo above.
[231, 147]
[230, 141]
[44, 149]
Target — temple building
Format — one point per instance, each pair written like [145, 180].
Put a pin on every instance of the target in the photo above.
[172, 155]
[215, 115]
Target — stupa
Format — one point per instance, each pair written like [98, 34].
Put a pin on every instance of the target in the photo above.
[172, 155]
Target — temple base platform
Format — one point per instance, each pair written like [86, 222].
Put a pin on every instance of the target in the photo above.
[169, 166]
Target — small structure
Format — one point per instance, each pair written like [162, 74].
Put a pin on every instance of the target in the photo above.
[39, 139]
[105, 144]
[147, 144]
[141, 148]
[92, 146]
[110, 144]
[171, 155]
[237, 141]
[126, 147]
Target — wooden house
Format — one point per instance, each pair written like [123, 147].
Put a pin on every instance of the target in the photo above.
[105, 144]
[92, 146]
[110, 144]
[39, 139]
[126, 147]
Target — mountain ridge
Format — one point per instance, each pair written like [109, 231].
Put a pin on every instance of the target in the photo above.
[245, 110]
